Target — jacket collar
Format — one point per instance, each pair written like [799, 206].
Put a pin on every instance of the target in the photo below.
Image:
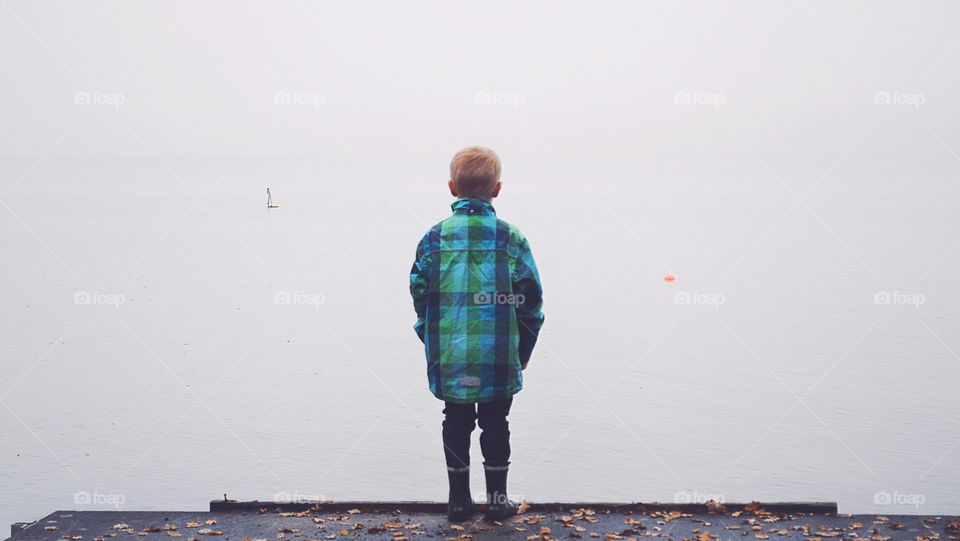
[470, 205]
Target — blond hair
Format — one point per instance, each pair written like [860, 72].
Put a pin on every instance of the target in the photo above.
[475, 172]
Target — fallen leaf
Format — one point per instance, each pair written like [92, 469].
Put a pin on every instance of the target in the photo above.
[524, 506]
[191, 524]
[715, 507]
[209, 531]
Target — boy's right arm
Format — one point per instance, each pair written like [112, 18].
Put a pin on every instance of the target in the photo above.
[419, 285]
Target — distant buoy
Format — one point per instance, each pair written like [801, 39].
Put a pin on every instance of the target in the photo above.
[669, 277]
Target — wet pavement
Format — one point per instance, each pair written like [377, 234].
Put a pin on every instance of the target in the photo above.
[404, 521]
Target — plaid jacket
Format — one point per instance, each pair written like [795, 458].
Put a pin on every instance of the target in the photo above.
[478, 297]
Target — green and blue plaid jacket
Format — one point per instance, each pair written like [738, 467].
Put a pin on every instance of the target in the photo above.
[478, 298]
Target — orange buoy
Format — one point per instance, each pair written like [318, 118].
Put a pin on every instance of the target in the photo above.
[669, 277]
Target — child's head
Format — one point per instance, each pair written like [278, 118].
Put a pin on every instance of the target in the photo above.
[475, 172]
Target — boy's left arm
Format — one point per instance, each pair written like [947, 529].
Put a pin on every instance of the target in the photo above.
[419, 285]
[526, 282]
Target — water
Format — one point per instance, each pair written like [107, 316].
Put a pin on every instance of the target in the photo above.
[782, 380]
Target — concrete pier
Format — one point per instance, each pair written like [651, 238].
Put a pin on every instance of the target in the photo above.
[228, 520]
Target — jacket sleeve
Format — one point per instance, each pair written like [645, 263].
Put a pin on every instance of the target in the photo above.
[419, 286]
[526, 282]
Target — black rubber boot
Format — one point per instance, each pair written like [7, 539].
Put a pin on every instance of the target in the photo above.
[460, 505]
[499, 505]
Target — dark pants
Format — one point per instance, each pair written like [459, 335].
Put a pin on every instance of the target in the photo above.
[494, 437]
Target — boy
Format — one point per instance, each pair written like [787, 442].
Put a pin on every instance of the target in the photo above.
[477, 295]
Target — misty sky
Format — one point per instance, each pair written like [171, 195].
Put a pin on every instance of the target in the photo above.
[170, 78]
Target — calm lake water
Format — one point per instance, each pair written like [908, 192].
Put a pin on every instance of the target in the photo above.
[160, 350]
